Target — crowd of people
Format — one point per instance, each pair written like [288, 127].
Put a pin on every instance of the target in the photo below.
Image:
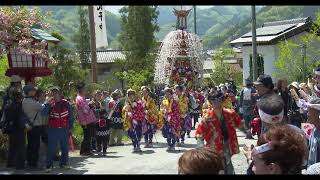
[277, 115]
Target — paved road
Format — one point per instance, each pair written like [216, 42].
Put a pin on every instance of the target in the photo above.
[121, 160]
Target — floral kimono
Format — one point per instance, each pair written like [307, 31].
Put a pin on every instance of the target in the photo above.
[152, 118]
[134, 119]
[185, 119]
[169, 113]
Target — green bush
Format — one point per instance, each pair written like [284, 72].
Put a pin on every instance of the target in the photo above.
[3, 146]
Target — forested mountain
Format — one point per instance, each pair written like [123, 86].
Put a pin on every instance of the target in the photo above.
[217, 25]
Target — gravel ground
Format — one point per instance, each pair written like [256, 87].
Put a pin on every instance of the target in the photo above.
[121, 160]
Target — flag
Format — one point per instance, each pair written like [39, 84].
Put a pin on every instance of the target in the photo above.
[100, 27]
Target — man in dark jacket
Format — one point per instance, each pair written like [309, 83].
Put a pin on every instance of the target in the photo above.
[17, 125]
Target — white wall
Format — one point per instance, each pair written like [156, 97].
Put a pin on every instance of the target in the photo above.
[268, 53]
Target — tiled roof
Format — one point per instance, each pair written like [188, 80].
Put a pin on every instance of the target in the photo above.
[108, 56]
[271, 32]
[42, 35]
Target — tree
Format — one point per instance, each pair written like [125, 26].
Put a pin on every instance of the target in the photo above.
[66, 70]
[290, 61]
[223, 71]
[138, 25]
[82, 38]
[4, 80]
[16, 24]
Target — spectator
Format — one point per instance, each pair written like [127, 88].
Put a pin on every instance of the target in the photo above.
[314, 143]
[200, 161]
[15, 83]
[280, 151]
[86, 119]
[283, 92]
[60, 126]
[247, 103]
[43, 119]
[17, 133]
[33, 109]
[264, 86]
[295, 116]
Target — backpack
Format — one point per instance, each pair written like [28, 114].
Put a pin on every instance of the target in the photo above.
[8, 125]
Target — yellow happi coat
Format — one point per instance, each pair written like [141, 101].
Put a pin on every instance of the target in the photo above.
[151, 110]
[125, 116]
[183, 106]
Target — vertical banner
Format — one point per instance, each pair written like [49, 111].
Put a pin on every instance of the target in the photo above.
[100, 27]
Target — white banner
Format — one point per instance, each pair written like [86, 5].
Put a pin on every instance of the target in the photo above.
[100, 27]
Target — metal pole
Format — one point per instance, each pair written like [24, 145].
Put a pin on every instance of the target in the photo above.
[195, 19]
[93, 45]
[254, 44]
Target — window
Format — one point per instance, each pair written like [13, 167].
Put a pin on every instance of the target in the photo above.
[260, 66]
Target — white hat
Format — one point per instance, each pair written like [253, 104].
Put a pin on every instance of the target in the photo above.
[294, 84]
[15, 78]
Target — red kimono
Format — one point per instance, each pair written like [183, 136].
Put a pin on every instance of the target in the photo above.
[210, 130]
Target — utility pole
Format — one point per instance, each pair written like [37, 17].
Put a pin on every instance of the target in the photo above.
[254, 44]
[195, 19]
[93, 45]
[303, 55]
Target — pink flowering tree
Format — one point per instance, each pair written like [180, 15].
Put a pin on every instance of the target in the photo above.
[15, 30]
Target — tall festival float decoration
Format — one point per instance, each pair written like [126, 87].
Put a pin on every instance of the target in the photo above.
[180, 58]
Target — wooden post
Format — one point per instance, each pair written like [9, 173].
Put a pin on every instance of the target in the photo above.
[254, 44]
[93, 45]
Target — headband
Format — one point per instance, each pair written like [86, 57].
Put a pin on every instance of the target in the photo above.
[270, 119]
[261, 149]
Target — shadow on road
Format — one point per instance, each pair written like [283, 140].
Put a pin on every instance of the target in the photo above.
[177, 151]
[146, 152]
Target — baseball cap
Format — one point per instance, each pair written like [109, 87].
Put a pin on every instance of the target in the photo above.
[264, 79]
[28, 88]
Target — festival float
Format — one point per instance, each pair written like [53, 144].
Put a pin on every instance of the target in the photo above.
[180, 58]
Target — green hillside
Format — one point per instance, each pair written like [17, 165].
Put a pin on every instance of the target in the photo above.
[217, 25]
[65, 20]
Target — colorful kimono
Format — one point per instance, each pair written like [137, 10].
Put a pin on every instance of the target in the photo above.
[134, 120]
[152, 118]
[102, 126]
[169, 113]
[185, 120]
[220, 134]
